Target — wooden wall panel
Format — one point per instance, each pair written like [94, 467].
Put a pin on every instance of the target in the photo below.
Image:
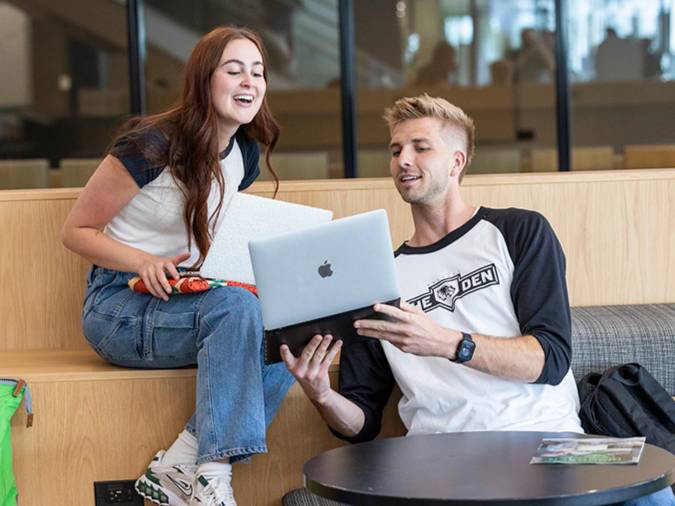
[41, 283]
[617, 229]
[618, 234]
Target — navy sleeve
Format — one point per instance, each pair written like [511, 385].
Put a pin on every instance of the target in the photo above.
[366, 380]
[129, 150]
[539, 289]
[251, 156]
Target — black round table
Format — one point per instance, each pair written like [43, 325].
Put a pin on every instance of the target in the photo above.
[477, 468]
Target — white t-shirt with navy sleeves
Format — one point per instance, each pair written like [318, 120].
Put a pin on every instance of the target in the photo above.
[153, 219]
[501, 274]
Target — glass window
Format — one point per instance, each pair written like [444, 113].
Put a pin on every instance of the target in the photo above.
[623, 82]
[302, 40]
[63, 88]
[493, 58]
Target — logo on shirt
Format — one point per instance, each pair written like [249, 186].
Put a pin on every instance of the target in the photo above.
[445, 292]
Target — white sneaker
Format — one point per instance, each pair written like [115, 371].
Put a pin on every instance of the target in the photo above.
[166, 485]
[213, 492]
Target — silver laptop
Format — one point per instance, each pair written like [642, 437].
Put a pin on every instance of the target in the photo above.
[319, 280]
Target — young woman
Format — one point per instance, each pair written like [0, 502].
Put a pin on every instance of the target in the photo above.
[150, 210]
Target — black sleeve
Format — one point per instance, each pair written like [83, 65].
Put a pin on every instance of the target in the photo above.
[129, 149]
[251, 156]
[366, 380]
[539, 289]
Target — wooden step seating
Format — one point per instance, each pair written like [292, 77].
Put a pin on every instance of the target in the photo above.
[373, 162]
[649, 155]
[28, 173]
[583, 158]
[75, 172]
[94, 421]
[290, 166]
[487, 160]
[492, 160]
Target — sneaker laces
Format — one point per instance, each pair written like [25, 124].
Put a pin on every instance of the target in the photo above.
[219, 492]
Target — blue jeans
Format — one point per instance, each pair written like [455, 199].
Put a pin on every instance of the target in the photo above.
[219, 330]
[663, 497]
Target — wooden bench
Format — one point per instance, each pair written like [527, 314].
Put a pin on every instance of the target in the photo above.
[649, 155]
[583, 158]
[30, 173]
[99, 422]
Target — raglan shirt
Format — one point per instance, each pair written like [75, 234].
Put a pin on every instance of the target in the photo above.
[501, 274]
[152, 220]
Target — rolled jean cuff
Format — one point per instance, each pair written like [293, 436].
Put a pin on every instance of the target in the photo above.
[242, 454]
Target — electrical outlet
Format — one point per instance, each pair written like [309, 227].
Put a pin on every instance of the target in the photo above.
[116, 492]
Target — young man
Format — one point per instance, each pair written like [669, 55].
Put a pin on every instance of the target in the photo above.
[483, 341]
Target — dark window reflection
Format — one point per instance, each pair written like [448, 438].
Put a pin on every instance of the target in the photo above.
[493, 58]
[301, 37]
[622, 72]
[64, 86]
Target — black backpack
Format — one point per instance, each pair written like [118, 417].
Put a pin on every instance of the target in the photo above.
[626, 401]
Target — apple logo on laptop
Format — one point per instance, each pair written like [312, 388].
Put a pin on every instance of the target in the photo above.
[325, 270]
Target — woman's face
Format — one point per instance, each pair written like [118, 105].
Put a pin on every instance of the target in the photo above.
[237, 85]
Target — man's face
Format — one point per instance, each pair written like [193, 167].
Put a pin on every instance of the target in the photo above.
[426, 159]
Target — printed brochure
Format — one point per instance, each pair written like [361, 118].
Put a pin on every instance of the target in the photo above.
[589, 451]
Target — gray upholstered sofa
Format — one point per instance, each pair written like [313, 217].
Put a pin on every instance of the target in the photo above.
[605, 336]
[602, 336]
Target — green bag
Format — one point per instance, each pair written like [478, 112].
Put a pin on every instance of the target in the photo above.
[11, 393]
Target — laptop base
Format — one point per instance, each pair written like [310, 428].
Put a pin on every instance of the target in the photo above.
[340, 326]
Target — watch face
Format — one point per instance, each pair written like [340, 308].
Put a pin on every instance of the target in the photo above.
[465, 351]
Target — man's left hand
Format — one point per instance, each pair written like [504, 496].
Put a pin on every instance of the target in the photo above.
[410, 330]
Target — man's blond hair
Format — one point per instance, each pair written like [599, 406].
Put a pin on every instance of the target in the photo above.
[425, 106]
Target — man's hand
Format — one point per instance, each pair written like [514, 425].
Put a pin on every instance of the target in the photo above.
[311, 371]
[411, 331]
[311, 367]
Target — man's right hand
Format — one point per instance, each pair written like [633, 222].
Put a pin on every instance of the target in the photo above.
[310, 369]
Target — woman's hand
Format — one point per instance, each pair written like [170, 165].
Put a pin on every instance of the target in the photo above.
[153, 271]
[311, 367]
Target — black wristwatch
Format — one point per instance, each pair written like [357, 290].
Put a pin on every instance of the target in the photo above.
[465, 349]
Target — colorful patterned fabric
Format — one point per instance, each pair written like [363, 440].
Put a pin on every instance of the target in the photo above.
[191, 284]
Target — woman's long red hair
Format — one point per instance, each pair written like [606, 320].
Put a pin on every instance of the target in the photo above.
[190, 130]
